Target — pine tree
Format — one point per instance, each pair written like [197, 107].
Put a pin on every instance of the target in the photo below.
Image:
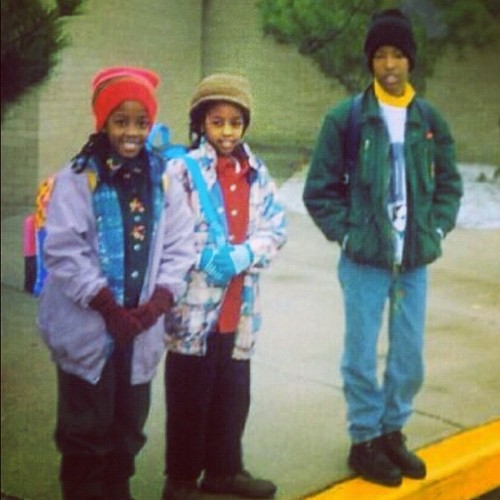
[32, 35]
[331, 32]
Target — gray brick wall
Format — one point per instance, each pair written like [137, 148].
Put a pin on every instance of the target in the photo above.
[50, 125]
[161, 35]
[184, 40]
[19, 160]
[290, 94]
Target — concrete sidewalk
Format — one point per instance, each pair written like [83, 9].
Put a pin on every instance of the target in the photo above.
[296, 434]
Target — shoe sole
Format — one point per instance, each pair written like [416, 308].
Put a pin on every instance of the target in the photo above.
[236, 492]
[414, 476]
[397, 481]
[384, 482]
[408, 473]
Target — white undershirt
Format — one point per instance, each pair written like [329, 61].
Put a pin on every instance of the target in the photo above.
[395, 120]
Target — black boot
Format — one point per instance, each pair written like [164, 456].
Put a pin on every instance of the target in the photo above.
[178, 489]
[120, 467]
[119, 490]
[81, 477]
[241, 484]
[369, 460]
[395, 448]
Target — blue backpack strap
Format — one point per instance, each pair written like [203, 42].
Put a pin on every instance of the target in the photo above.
[352, 136]
[158, 139]
[215, 226]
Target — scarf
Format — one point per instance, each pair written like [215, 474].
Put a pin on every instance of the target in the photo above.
[397, 101]
[109, 220]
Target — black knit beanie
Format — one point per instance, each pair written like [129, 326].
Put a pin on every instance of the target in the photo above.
[390, 27]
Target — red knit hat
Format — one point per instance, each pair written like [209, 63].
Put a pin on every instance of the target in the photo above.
[112, 86]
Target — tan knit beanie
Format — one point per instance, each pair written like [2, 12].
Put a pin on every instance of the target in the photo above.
[222, 87]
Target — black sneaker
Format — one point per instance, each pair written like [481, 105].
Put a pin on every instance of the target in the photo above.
[181, 490]
[241, 484]
[409, 464]
[118, 490]
[369, 460]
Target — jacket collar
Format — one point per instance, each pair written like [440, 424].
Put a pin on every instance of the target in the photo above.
[208, 154]
[371, 107]
[414, 119]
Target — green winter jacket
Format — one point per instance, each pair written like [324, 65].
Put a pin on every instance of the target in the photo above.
[355, 215]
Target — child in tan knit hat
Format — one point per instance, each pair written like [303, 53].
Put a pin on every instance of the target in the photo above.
[213, 332]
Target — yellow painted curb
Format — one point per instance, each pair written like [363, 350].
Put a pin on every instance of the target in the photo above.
[460, 467]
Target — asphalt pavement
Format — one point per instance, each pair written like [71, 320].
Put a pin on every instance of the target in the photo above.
[296, 433]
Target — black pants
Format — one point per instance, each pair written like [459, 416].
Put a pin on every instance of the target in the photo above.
[208, 400]
[100, 429]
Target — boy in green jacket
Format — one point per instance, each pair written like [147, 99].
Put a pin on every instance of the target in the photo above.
[402, 197]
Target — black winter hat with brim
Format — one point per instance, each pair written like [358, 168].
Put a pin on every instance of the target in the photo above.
[390, 27]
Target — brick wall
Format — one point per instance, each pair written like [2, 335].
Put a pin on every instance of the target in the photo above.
[51, 124]
[161, 35]
[184, 40]
[290, 94]
[20, 152]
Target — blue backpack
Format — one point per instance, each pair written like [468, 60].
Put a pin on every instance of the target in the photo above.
[34, 225]
[159, 142]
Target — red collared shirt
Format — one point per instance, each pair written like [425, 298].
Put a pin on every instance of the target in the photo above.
[233, 179]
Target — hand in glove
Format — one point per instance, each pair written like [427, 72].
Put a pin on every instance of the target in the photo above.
[206, 264]
[161, 302]
[120, 323]
[232, 260]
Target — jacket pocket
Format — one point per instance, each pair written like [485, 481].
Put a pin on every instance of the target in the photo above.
[365, 164]
[425, 165]
[369, 241]
[428, 241]
[73, 333]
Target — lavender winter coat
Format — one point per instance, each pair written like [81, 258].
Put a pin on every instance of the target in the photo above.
[75, 334]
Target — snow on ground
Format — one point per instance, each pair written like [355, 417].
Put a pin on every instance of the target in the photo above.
[479, 209]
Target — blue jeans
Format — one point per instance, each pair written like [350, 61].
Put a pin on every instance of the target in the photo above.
[378, 407]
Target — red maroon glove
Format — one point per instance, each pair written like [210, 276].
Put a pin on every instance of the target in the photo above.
[160, 303]
[120, 323]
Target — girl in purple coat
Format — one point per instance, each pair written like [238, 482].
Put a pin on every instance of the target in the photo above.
[119, 245]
